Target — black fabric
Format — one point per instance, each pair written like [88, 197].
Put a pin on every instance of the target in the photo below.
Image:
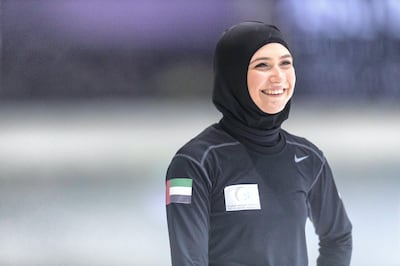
[232, 56]
[293, 184]
[263, 141]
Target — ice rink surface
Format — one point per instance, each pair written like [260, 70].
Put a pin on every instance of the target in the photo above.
[83, 183]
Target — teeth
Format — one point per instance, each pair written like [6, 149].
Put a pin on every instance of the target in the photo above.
[273, 92]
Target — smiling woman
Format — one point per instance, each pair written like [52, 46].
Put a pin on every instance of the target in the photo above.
[252, 184]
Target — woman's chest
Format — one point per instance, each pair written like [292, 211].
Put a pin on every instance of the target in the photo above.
[273, 186]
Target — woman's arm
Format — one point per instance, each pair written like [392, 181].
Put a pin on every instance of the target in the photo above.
[188, 210]
[330, 220]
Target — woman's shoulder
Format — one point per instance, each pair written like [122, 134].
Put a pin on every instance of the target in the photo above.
[302, 142]
[210, 138]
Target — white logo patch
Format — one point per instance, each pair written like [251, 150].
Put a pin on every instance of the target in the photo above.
[242, 197]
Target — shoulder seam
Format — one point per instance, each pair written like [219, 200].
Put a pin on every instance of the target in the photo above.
[207, 151]
[197, 163]
[317, 177]
[323, 161]
[215, 147]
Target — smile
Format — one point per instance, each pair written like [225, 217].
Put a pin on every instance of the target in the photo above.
[274, 91]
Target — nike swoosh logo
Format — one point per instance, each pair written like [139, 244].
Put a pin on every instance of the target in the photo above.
[299, 159]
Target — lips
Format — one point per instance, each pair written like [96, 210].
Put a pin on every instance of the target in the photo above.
[274, 91]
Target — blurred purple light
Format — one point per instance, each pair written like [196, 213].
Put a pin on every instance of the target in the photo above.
[343, 19]
[136, 23]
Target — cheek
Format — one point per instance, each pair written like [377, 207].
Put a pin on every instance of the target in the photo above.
[250, 83]
[291, 77]
[254, 81]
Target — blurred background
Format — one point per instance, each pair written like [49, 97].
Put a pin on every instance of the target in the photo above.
[96, 96]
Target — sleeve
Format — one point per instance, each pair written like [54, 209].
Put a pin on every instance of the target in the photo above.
[188, 217]
[330, 220]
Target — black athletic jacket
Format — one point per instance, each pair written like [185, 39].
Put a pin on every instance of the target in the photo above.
[225, 224]
[240, 192]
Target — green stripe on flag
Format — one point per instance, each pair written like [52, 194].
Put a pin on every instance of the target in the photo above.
[181, 182]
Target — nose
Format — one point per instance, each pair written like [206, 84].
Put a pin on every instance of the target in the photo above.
[276, 75]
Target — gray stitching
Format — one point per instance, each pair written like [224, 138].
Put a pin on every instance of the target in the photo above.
[317, 177]
[198, 164]
[323, 161]
[214, 147]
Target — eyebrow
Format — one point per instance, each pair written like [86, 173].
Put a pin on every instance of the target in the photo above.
[269, 58]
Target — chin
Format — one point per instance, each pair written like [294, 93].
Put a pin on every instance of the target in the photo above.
[272, 109]
[273, 112]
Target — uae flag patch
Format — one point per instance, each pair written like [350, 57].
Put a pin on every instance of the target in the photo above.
[179, 190]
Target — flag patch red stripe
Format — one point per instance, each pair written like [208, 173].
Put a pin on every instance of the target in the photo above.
[167, 197]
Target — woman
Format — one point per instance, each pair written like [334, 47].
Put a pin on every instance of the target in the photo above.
[240, 192]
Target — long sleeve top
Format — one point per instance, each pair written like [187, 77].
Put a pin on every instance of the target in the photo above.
[228, 204]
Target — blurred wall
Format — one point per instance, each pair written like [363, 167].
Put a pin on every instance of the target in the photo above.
[96, 48]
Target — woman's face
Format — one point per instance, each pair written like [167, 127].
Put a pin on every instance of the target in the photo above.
[271, 77]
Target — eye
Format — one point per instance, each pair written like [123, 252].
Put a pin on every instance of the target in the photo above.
[286, 63]
[261, 65]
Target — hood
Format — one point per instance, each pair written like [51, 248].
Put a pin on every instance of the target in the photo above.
[231, 59]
